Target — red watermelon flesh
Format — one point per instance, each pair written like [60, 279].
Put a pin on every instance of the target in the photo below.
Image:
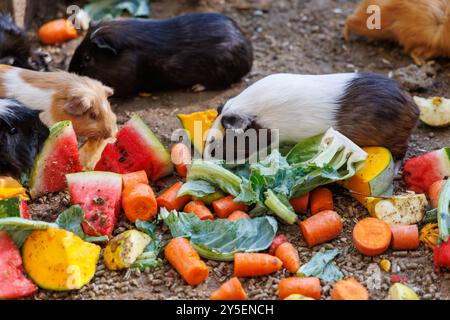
[136, 148]
[58, 157]
[13, 283]
[98, 194]
[421, 172]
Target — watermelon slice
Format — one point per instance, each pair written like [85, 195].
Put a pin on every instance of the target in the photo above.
[14, 207]
[421, 172]
[98, 194]
[58, 157]
[136, 148]
[13, 283]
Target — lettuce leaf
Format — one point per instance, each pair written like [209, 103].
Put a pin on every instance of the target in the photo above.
[150, 257]
[197, 188]
[19, 229]
[220, 239]
[322, 266]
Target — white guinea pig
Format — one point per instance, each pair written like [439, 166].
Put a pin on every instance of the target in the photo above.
[370, 109]
[62, 96]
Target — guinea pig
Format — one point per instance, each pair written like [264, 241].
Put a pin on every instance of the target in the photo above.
[62, 96]
[198, 50]
[15, 48]
[22, 135]
[369, 109]
[422, 27]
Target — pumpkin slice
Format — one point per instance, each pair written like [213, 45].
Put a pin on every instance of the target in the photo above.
[375, 178]
[197, 125]
[434, 111]
[10, 187]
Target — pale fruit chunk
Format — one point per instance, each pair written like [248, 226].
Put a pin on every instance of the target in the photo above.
[434, 111]
[399, 291]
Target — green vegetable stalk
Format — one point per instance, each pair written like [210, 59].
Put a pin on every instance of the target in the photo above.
[443, 215]
[279, 208]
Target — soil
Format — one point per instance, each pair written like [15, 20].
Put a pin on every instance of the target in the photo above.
[288, 36]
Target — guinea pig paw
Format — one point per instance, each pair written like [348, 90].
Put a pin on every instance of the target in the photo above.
[198, 88]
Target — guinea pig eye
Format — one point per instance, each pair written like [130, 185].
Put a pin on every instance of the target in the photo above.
[87, 58]
[12, 131]
[93, 116]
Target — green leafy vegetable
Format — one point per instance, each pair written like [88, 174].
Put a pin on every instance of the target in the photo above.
[443, 215]
[19, 229]
[220, 239]
[282, 210]
[322, 266]
[109, 9]
[149, 258]
[196, 188]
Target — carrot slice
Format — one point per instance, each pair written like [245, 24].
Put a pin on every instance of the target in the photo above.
[371, 236]
[300, 204]
[349, 289]
[435, 191]
[181, 157]
[405, 237]
[199, 209]
[169, 200]
[255, 264]
[130, 179]
[139, 202]
[306, 286]
[322, 227]
[183, 257]
[226, 206]
[321, 200]
[230, 290]
[238, 214]
[287, 253]
[57, 31]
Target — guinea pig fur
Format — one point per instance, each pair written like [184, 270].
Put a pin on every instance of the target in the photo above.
[15, 48]
[422, 27]
[369, 109]
[22, 135]
[62, 96]
[193, 50]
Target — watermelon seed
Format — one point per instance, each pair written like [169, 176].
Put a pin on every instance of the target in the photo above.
[99, 201]
[102, 221]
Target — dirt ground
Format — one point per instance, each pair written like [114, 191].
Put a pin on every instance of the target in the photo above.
[288, 36]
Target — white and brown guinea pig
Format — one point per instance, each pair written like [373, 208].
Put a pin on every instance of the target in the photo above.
[62, 96]
[422, 27]
[370, 109]
[198, 50]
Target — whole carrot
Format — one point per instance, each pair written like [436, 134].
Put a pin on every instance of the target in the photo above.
[183, 257]
[169, 198]
[300, 204]
[276, 242]
[255, 264]
[306, 286]
[321, 200]
[405, 237]
[435, 191]
[349, 289]
[287, 253]
[238, 214]
[226, 206]
[199, 209]
[371, 236]
[230, 290]
[130, 179]
[181, 157]
[57, 31]
[322, 227]
[139, 202]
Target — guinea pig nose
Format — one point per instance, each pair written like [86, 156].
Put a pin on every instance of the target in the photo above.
[12, 131]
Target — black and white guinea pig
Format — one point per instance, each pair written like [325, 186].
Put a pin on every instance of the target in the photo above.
[198, 50]
[22, 135]
[370, 109]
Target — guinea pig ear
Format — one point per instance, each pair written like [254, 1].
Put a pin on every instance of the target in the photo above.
[109, 91]
[103, 40]
[77, 106]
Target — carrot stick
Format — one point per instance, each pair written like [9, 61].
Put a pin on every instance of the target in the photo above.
[130, 179]
[57, 31]
[181, 157]
[238, 214]
[434, 192]
[230, 290]
[169, 200]
[322, 227]
[139, 202]
[199, 209]
[349, 289]
[306, 286]
[255, 264]
[183, 257]
[226, 206]
[276, 242]
[289, 255]
[371, 236]
[405, 237]
[321, 200]
[300, 204]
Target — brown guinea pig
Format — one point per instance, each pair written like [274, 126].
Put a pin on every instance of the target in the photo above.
[62, 96]
[422, 27]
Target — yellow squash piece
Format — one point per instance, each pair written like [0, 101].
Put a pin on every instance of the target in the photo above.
[409, 208]
[10, 188]
[399, 291]
[434, 111]
[385, 265]
[375, 178]
[123, 250]
[57, 259]
[197, 125]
